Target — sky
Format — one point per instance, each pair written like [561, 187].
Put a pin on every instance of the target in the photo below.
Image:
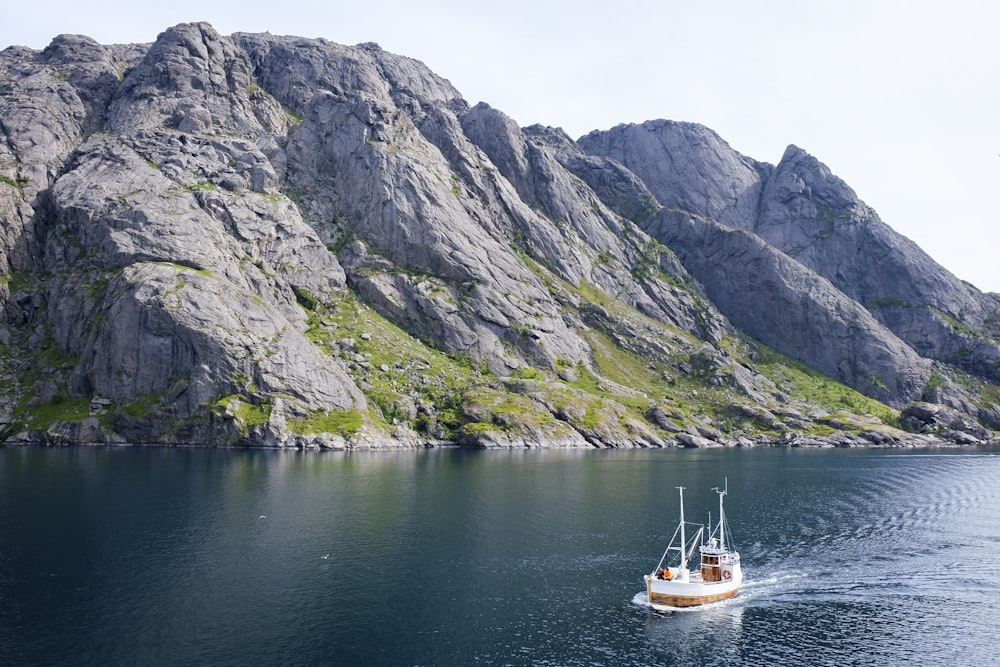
[899, 98]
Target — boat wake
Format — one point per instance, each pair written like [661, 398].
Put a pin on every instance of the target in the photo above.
[773, 586]
[777, 580]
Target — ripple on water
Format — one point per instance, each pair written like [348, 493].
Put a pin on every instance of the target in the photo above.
[481, 559]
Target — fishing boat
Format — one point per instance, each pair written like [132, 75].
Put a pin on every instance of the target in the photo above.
[719, 575]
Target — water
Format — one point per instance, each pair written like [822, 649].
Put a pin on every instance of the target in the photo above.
[444, 557]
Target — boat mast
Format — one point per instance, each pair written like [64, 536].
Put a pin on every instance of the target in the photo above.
[684, 560]
[722, 515]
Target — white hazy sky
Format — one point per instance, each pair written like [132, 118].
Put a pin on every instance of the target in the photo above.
[900, 98]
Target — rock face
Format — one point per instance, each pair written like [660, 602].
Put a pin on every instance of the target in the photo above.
[279, 241]
[800, 209]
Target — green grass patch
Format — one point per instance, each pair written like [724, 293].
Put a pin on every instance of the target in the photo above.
[531, 373]
[16, 183]
[796, 379]
[414, 368]
[498, 409]
[621, 366]
[990, 396]
[819, 430]
[475, 429]
[62, 408]
[18, 281]
[141, 406]
[339, 422]
[306, 299]
[960, 328]
[247, 414]
[200, 185]
[96, 289]
[933, 384]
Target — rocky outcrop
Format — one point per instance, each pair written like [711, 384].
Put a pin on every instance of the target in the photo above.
[173, 258]
[688, 168]
[802, 210]
[785, 305]
[816, 218]
[278, 241]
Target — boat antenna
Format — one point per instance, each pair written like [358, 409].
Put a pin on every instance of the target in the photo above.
[722, 515]
[684, 559]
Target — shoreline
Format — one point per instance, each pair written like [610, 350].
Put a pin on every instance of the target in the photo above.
[330, 443]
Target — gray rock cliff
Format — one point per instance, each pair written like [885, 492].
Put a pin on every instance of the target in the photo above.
[278, 241]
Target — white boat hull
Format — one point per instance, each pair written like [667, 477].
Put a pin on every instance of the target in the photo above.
[694, 591]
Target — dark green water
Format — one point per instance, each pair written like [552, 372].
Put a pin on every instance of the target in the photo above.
[443, 557]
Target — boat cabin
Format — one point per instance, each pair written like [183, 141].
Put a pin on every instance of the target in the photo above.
[716, 562]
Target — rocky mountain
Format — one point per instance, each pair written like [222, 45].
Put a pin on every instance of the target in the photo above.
[276, 241]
